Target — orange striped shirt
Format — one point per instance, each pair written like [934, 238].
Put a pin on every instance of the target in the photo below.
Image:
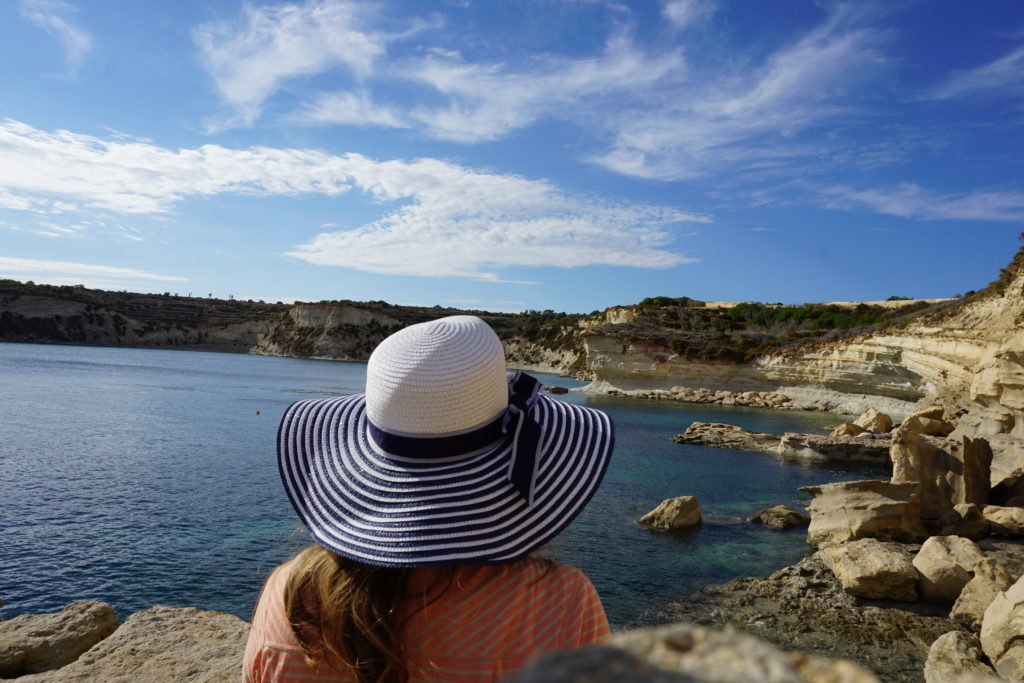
[484, 627]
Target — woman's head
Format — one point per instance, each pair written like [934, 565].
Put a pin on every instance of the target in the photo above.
[444, 460]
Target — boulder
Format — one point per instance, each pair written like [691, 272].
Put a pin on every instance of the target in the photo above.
[32, 643]
[1005, 521]
[673, 513]
[990, 579]
[780, 517]
[948, 471]
[162, 644]
[957, 657]
[850, 510]
[965, 519]
[944, 564]
[874, 421]
[869, 568]
[1002, 632]
[857, 448]
[927, 426]
[847, 429]
[686, 653]
[720, 435]
[555, 389]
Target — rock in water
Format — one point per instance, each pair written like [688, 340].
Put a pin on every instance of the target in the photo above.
[720, 435]
[855, 448]
[555, 389]
[673, 513]
[162, 644]
[850, 510]
[1005, 521]
[780, 517]
[684, 653]
[33, 643]
[1002, 632]
[990, 579]
[877, 422]
[869, 568]
[956, 656]
[945, 564]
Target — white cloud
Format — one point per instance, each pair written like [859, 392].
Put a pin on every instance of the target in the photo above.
[249, 60]
[65, 273]
[1004, 76]
[445, 219]
[351, 108]
[488, 101]
[911, 201]
[683, 13]
[749, 117]
[54, 17]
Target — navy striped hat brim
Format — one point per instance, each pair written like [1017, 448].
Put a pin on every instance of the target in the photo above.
[368, 506]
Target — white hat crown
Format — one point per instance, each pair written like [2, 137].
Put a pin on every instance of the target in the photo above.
[437, 378]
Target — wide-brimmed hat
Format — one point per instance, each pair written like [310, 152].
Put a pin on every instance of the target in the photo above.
[446, 459]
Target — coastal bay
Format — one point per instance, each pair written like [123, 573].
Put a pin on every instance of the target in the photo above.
[144, 476]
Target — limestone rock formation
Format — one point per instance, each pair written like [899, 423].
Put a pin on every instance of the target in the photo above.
[847, 429]
[683, 652]
[1002, 632]
[927, 421]
[990, 579]
[956, 656]
[850, 510]
[673, 513]
[949, 471]
[1005, 521]
[780, 517]
[852, 448]
[945, 564]
[874, 421]
[869, 568]
[33, 643]
[721, 435]
[965, 519]
[162, 644]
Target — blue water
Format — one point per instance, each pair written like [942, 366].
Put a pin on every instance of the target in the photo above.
[143, 476]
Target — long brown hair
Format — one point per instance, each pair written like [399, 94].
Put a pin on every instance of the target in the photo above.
[346, 611]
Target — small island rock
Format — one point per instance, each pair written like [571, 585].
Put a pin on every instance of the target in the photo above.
[780, 517]
[673, 513]
[720, 435]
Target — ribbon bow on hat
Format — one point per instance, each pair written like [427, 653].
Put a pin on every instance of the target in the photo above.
[522, 469]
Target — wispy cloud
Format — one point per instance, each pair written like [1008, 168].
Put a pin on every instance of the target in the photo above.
[749, 117]
[250, 59]
[911, 201]
[1004, 76]
[443, 219]
[66, 273]
[685, 13]
[54, 17]
[351, 108]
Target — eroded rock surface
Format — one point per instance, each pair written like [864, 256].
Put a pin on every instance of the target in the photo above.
[957, 657]
[965, 519]
[162, 644]
[990, 579]
[949, 471]
[850, 510]
[804, 607]
[944, 564]
[720, 435]
[680, 512]
[780, 517]
[869, 568]
[864, 448]
[683, 652]
[33, 643]
[1005, 521]
[1002, 632]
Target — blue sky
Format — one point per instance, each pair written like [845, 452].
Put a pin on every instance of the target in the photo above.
[537, 154]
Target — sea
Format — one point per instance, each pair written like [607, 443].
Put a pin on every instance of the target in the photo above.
[145, 476]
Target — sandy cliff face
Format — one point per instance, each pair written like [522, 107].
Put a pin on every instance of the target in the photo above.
[972, 362]
[334, 331]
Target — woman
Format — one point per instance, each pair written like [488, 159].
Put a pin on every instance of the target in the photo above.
[426, 497]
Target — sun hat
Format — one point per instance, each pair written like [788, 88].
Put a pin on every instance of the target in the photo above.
[446, 459]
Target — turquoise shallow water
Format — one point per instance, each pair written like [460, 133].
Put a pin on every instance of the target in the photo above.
[142, 477]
